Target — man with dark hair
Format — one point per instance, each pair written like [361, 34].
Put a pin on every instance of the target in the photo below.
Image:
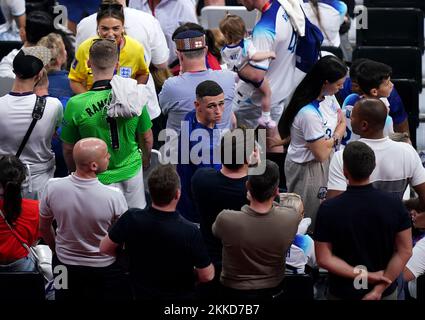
[199, 132]
[164, 248]
[364, 232]
[359, 161]
[397, 163]
[38, 24]
[255, 239]
[177, 95]
[86, 115]
[229, 185]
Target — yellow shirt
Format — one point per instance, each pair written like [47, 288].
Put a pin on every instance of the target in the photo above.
[131, 62]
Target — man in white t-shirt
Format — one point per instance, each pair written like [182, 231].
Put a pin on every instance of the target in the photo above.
[16, 116]
[146, 29]
[84, 210]
[14, 14]
[397, 163]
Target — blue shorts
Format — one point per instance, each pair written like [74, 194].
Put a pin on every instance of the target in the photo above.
[78, 10]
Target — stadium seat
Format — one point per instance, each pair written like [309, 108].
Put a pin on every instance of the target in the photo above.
[409, 93]
[18, 286]
[405, 61]
[393, 27]
[395, 4]
[297, 287]
[7, 46]
[212, 15]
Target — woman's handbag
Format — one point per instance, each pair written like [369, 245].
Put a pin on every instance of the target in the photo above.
[41, 255]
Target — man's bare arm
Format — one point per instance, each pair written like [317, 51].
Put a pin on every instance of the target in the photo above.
[402, 127]
[402, 253]
[145, 141]
[67, 155]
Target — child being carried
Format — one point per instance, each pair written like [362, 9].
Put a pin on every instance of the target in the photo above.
[237, 53]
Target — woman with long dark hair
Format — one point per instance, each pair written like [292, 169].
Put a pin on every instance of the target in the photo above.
[110, 25]
[19, 214]
[315, 125]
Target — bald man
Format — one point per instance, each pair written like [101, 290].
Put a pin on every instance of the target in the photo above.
[84, 210]
[397, 163]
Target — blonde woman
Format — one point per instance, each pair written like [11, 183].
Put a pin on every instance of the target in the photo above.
[58, 77]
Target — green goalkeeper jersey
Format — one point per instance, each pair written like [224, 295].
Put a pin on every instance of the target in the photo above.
[86, 116]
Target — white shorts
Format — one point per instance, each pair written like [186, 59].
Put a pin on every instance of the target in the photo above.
[133, 190]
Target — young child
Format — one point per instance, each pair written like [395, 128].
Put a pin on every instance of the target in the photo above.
[237, 53]
[301, 252]
[374, 81]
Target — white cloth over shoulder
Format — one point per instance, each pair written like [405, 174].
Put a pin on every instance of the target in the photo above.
[296, 15]
[128, 98]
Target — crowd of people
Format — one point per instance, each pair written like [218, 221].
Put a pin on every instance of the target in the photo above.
[215, 219]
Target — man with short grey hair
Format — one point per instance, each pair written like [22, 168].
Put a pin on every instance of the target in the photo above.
[177, 94]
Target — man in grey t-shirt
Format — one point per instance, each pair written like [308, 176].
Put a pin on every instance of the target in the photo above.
[84, 210]
[178, 93]
[255, 240]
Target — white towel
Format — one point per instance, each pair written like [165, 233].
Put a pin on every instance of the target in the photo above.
[128, 98]
[296, 15]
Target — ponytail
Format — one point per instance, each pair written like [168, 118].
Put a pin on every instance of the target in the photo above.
[12, 174]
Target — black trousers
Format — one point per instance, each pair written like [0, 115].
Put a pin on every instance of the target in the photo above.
[90, 283]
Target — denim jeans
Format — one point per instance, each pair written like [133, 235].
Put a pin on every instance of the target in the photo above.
[25, 264]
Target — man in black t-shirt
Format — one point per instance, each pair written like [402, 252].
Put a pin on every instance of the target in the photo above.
[166, 252]
[228, 185]
[363, 236]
